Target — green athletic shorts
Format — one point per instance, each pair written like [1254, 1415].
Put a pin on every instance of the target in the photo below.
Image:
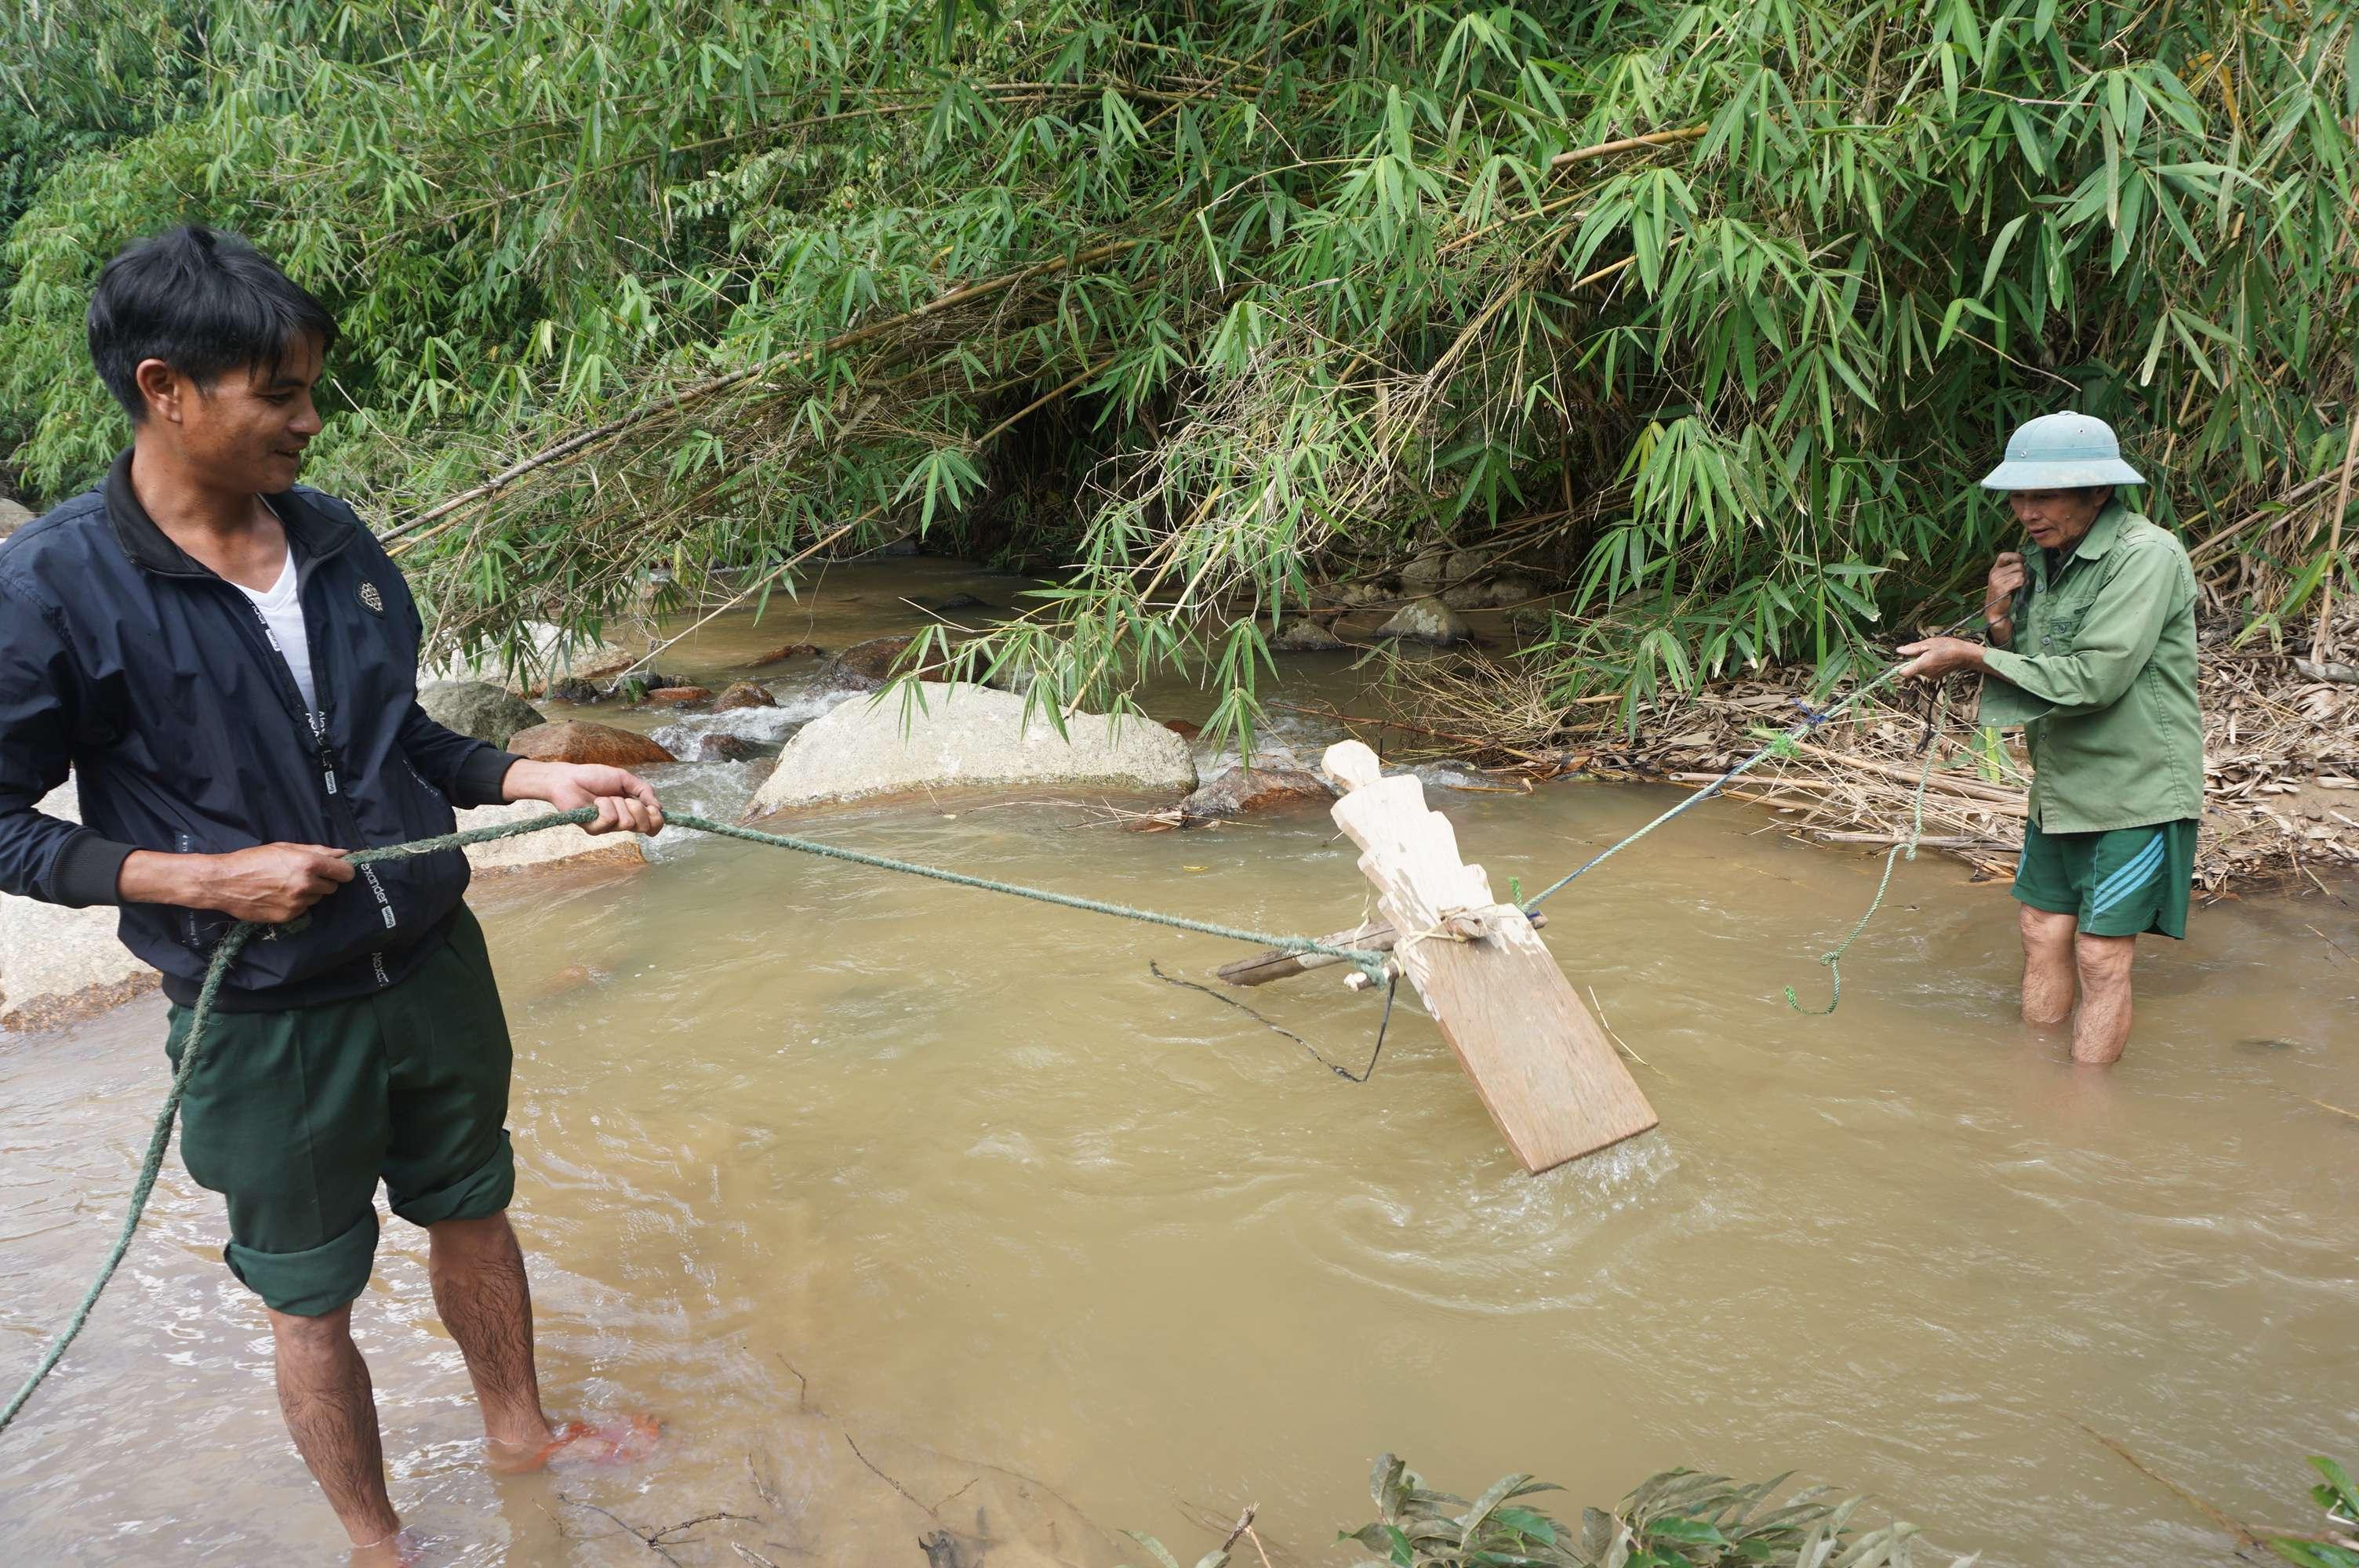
[295, 1115]
[2125, 882]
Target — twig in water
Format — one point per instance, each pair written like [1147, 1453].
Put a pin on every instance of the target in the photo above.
[761, 1487]
[802, 1384]
[1609, 1030]
[2330, 941]
[655, 1540]
[1360, 1078]
[881, 1476]
[2337, 1109]
[1245, 1523]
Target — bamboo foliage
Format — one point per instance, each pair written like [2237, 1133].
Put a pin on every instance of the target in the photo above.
[1206, 303]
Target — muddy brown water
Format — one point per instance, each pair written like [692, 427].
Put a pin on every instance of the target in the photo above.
[930, 1169]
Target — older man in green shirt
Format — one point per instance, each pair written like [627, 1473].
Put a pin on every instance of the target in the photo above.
[2092, 650]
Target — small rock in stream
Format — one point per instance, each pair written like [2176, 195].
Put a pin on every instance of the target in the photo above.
[742, 694]
[579, 741]
[1305, 635]
[679, 696]
[785, 651]
[1242, 790]
[724, 747]
[865, 667]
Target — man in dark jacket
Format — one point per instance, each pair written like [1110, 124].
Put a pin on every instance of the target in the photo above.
[226, 663]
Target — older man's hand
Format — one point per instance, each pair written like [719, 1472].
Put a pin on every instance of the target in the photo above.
[1938, 656]
[624, 800]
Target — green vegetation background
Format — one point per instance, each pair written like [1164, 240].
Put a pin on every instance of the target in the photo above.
[1715, 309]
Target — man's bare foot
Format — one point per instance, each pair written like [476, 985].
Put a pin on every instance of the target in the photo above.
[624, 1441]
[403, 1549]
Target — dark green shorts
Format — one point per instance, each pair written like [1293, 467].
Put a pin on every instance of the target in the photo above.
[2125, 882]
[295, 1115]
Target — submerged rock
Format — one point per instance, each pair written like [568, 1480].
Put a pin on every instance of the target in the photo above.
[1304, 635]
[742, 694]
[58, 964]
[1497, 593]
[1242, 790]
[865, 667]
[963, 601]
[785, 651]
[1186, 729]
[723, 747]
[478, 707]
[579, 741]
[967, 736]
[1426, 621]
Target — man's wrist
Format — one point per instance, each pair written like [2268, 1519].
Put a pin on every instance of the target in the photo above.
[523, 781]
[152, 876]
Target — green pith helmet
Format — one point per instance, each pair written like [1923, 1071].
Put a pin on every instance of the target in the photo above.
[2062, 451]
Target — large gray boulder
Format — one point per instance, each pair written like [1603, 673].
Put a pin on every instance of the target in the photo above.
[58, 965]
[478, 707]
[13, 514]
[968, 736]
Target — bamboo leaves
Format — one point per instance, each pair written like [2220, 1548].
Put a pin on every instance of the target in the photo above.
[1255, 291]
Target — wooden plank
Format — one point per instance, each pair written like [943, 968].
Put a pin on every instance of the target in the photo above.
[1544, 1069]
[1280, 964]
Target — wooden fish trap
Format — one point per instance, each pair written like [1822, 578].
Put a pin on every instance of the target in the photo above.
[1545, 1070]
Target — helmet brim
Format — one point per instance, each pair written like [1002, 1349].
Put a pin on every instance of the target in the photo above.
[2067, 474]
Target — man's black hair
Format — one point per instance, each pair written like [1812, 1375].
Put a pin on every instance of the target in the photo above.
[205, 302]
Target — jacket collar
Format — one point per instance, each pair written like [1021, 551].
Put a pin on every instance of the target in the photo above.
[2102, 532]
[309, 534]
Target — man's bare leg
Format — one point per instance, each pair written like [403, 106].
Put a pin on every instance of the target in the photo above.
[2102, 1026]
[2048, 969]
[331, 1410]
[485, 1301]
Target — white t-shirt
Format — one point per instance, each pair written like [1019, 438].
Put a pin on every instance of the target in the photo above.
[283, 613]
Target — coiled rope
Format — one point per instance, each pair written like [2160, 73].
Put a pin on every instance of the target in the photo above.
[1367, 960]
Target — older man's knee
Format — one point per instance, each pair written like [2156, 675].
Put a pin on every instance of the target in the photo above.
[2102, 959]
[2044, 927]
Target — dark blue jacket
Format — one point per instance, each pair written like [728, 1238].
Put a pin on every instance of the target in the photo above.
[155, 682]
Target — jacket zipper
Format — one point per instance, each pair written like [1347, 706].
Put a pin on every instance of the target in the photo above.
[325, 750]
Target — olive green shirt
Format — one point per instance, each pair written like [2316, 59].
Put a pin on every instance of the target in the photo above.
[2101, 674]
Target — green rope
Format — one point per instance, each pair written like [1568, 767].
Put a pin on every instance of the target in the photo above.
[1833, 961]
[1779, 745]
[1366, 961]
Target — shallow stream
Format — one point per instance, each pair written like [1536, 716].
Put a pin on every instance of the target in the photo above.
[961, 1173]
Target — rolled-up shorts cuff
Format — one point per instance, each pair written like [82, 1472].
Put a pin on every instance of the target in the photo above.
[480, 1194]
[313, 1282]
